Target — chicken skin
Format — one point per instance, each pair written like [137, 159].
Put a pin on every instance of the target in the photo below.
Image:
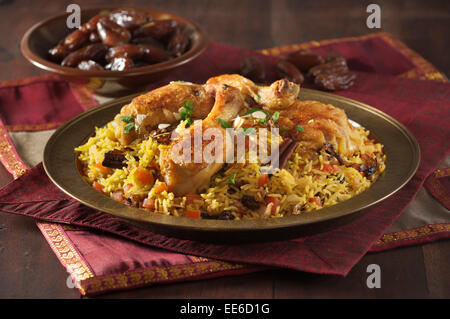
[278, 95]
[223, 98]
[184, 174]
[322, 123]
[163, 106]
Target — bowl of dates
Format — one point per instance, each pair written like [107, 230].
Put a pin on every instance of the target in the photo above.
[116, 49]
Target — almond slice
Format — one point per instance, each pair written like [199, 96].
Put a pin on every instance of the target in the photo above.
[163, 126]
[259, 115]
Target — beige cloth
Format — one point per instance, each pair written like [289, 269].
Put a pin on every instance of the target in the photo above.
[30, 145]
[423, 210]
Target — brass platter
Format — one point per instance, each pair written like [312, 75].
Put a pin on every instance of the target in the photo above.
[401, 147]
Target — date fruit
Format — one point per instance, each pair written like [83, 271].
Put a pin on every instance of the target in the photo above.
[178, 44]
[90, 66]
[335, 57]
[95, 52]
[121, 39]
[287, 70]
[58, 53]
[330, 67]
[335, 81]
[253, 68]
[130, 19]
[91, 25]
[76, 40]
[154, 54]
[333, 74]
[304, 60]
[121, 64]
[148, 40]
[94, 37]
[111, 33]
[132, 51]
[158, 29]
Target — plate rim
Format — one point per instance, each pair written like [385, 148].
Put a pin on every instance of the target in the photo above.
[155, 221]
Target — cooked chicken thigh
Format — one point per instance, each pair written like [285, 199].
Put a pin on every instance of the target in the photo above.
[162, 106]
[224, 97]
[278, 95]
[322, 123]
[183, 175]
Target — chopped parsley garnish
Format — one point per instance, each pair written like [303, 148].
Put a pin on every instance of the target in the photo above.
[258, 97]
[248, 131]
[130, 123]
[284, 129]
[229, 179]
[128, 127]
[263, 121]
[299, 128]
[187, 109]
[224, 123]
[275, 116]
[127, 119]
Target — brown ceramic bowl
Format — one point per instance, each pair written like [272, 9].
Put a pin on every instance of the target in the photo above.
[46, 34]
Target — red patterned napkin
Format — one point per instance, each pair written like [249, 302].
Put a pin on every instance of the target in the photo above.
[57, 100]
[420, 105]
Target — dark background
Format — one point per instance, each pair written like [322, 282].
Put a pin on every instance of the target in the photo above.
[29, 269]
[258, 24]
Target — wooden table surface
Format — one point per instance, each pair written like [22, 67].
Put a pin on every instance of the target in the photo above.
[28, 267]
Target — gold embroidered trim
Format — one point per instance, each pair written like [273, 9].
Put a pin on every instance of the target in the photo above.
[425, 70]
[443, 172]
[88, 283]
[141, 277]
[413, 233]
[8, 155]
[33, 127]
[306, 45]
[66, 253]
[429, 72]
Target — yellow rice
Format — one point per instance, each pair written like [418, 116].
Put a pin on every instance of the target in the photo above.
[299, 184]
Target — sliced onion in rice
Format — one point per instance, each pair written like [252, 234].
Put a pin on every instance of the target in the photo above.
[268, 210]
[238, 122]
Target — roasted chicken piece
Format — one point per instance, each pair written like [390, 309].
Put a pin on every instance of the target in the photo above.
[278, 95]
[183, 174]
[162, 106]
[322, 123]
